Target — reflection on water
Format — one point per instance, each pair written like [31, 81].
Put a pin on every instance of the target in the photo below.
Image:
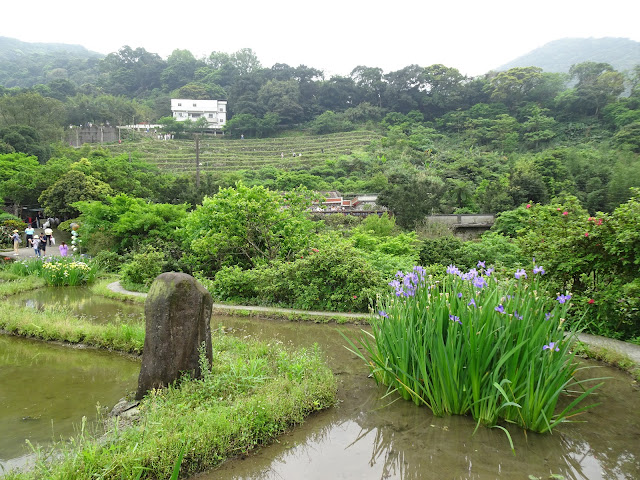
[367, 436]
[46, 389]
[79, 301]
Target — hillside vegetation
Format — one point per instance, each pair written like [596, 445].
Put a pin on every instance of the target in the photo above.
[221, 154]
[558, 56]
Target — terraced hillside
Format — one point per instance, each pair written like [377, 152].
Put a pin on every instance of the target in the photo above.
[223, 154]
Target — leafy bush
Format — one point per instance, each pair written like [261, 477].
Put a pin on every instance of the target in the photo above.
[122, 223]
[109, 261]
[235, 285]
[143, 268]
[597, 257]
[9, 223]
[247, 227]
[493, 248]
[440, 250]
[335, 278]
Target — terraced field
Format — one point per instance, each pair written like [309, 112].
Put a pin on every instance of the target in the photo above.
[223, 154]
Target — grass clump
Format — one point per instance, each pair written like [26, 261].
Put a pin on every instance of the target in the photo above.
[101, 287]
[12, 284]
[251, 393]
[56, 324]
[469, 344]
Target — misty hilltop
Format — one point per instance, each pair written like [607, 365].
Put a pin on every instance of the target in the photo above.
[558, 56]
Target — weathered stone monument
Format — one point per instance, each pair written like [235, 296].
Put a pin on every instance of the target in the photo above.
[177, 322]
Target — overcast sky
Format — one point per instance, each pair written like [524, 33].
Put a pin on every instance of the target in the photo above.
[332, 35]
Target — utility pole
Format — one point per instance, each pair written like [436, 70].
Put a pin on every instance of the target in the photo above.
[197, 161]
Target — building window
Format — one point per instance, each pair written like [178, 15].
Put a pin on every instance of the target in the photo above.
[222, 109]
[211, 115]
[195, 105]
[179, 104]
[195, 115]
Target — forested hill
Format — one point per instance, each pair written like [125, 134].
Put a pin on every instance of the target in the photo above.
[558, 56]
[24, 64]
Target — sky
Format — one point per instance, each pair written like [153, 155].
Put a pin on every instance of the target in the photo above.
[331, 35]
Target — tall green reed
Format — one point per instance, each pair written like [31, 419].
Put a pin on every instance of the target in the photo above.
[471, 344]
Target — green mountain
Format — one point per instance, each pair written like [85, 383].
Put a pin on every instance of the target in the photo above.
[25, 64]
[558, 56]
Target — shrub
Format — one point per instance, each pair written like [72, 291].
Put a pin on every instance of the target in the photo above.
[441, 250]
[493, 248]
[143, 268]
[109, 261]
[335, 278]
[234, 284]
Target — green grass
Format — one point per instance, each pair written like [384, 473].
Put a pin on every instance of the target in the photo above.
[251, 393]
[57, 324]
[610, 357]
[224, 154]
[100, 287]
[12, 284]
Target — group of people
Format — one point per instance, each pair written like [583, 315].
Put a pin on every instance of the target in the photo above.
[40, 242]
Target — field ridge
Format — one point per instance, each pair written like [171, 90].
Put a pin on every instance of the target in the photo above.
[218, 153]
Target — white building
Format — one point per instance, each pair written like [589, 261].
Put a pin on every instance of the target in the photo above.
[215, 111]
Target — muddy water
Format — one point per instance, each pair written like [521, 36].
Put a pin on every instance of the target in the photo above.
[365, 437]
[46, 389]
[370, 437]
[80, 302]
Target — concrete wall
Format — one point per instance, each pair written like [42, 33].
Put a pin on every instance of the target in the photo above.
[465, 219]
[77, 136]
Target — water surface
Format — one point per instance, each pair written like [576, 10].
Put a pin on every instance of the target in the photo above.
[46, 389]
[365, 436]
[370, 437]
[80, 302]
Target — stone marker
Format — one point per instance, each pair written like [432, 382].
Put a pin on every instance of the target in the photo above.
[177, 321]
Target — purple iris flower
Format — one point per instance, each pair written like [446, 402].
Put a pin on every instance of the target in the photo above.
[538, 269]
[551, 346]
[455, 318]
[563, 298]
[499, 308]
[382, 313]
[520, 273]
[515, 315]
[548, 315]
[479, 282]
[472, 302]
[480, 264]
[453, 270]
[489, 271]
[460, 295]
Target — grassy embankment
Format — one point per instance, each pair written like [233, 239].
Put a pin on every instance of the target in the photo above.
[223, 154]
[252, 393]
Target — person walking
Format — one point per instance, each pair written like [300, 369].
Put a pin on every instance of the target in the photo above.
[36, 245]
[42, 245]
[15, 236]
[29, 231]
[48, 232]
[64, 249]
